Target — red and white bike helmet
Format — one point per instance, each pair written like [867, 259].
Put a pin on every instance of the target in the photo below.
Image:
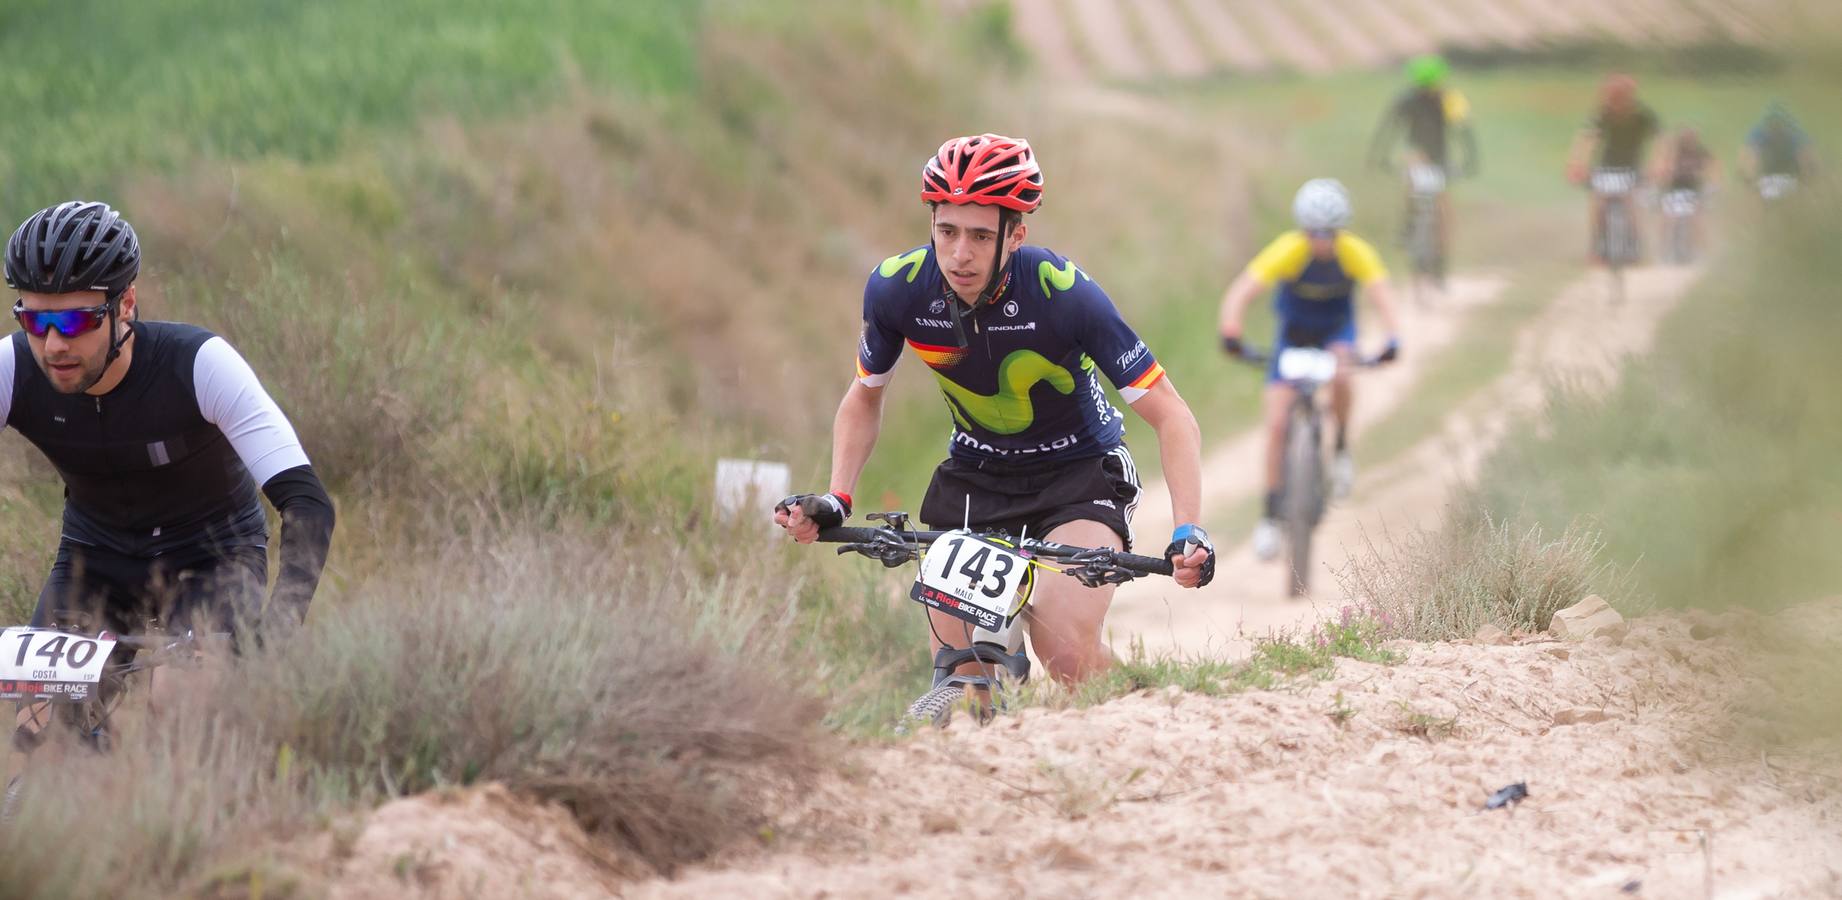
[986, 169]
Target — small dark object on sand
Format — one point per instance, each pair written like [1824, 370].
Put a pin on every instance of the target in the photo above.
[1632, 886]
[1508, 796]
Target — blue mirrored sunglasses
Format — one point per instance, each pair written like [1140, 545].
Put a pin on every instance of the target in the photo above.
[68, 322]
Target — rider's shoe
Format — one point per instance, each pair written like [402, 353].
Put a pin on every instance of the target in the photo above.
[1266, 539]
[1342, 475]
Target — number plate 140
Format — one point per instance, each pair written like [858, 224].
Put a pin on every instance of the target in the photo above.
[42, 654]
[972, 578]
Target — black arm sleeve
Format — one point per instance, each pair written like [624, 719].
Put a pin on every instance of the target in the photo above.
[306, 533]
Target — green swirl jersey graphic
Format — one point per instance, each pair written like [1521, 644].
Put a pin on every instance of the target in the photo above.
[1008, 411]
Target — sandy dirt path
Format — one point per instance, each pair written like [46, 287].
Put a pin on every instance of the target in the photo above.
[1578, 336]
[1368, 784]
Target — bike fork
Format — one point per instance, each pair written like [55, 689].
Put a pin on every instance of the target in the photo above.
[1001, 648]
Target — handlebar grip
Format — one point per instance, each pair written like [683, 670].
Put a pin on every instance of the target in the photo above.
[1150, 565]
[847, 535]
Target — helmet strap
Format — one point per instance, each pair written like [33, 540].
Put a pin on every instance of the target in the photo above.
[117, 340]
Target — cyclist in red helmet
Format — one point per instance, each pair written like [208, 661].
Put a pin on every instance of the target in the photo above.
[1616, 139]
[1017, 338]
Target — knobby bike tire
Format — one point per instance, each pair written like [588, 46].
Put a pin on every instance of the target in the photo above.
[1303, 485]
[1420, 238]
[933, 708]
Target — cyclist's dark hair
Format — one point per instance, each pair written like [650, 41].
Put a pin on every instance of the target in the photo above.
[73, 246]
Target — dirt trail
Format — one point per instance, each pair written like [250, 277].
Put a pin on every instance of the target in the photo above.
[1578, 336]
[1368, 784]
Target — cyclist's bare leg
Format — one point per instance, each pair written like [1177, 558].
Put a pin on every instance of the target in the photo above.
[1444, 235]
[1277, 404]
[1595, 226]
[1065, 618]
[1342, 388]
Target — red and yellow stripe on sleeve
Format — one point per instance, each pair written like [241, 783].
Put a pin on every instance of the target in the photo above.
[1142, 385]
[872, 379]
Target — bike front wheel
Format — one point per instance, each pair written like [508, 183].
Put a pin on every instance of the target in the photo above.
[1303, 496]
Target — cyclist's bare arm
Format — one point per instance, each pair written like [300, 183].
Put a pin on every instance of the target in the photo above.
[1381, 293]
[1241, 292]
[1381, 143]
[853, 435]
[1179, 447]
[1585, 147]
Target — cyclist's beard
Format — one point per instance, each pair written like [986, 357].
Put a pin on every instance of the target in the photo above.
[90, 370]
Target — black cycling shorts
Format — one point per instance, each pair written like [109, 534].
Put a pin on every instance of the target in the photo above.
[208, 591]
[1037, 496]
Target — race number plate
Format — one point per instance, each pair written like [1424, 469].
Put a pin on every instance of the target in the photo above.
[39, 663]
[971, 578]
[1772, 187]
[1307, 364]
[1614, 182]
[1680, 203]
[1426, 179]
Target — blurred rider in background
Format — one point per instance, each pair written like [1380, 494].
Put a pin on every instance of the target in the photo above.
[1616, 137]
[1316, 269]
[1428, 114]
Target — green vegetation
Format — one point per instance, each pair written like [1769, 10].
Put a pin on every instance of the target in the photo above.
[1710, 468]
[117, 89]
[1273, 662]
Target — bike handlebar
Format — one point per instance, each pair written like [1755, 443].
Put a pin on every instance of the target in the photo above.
[1092, 565]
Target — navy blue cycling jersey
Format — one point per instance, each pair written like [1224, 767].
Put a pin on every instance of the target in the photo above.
[1026, 385]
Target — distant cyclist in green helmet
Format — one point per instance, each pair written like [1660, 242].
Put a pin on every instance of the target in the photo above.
[1427, 114]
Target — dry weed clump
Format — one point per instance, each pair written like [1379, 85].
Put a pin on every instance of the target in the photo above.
[1478, 570]
[609, 673]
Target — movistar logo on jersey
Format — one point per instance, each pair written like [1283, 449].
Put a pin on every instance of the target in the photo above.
[1062, 277]
[1008, 411]
[911, 261]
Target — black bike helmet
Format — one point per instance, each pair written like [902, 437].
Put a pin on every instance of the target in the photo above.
[73, 246]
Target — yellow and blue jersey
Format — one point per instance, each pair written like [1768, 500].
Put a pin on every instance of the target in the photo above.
[1317, 293]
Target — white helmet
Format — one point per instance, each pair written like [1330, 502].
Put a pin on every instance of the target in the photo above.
[1321, 204]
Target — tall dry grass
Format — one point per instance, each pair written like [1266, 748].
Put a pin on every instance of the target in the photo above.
[609, 671]
[1476, 570]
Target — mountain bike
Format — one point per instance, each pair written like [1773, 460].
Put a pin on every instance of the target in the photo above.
[1617, 240]
[984, 579]
[1426, 183]
[71, 680]
[1680, 207]
[1304, 487]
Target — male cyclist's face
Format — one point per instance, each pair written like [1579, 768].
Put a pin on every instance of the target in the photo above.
[1323, 243]
[73, 363]
[966, 239]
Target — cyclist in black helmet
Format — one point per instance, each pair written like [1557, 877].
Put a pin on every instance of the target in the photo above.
[162, 436]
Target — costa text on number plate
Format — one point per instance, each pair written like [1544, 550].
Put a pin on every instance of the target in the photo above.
[39, 663]
[971, 578]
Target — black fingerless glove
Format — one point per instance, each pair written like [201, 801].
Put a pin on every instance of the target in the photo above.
[1187, 538]
[825, 510]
